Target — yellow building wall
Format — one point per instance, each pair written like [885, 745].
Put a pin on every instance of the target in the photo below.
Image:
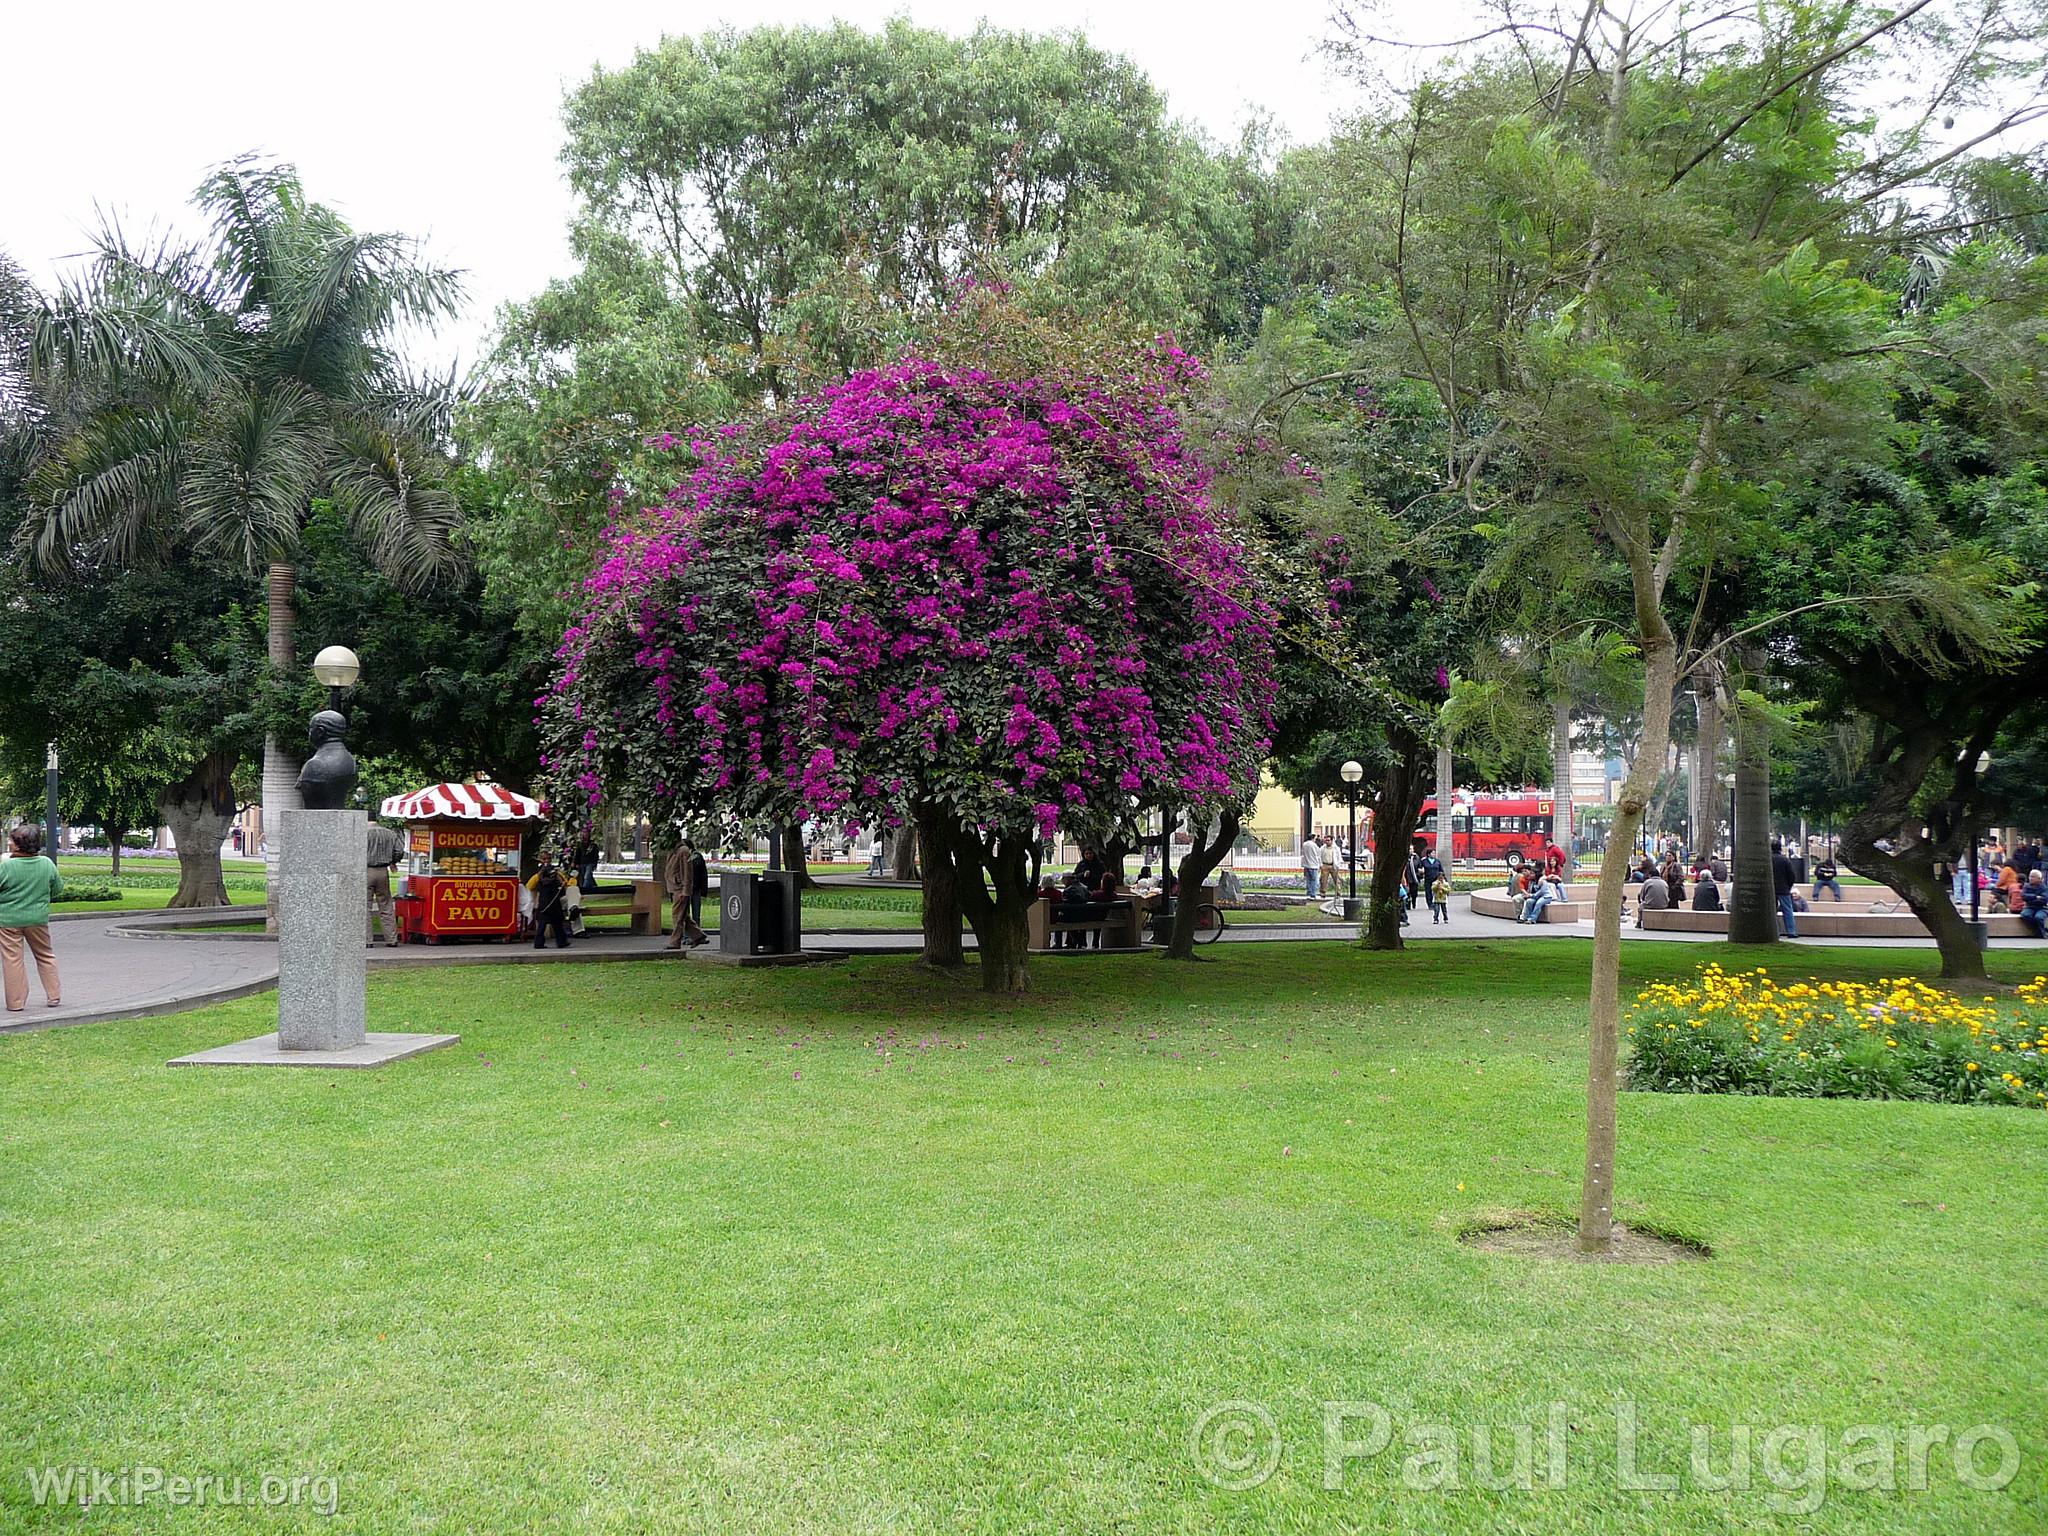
[1275, 819]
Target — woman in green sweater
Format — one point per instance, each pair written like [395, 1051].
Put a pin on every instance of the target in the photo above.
[28, 883]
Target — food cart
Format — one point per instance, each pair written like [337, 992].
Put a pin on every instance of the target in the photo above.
[460, 878]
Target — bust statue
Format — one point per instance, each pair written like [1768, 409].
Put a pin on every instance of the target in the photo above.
[329, 777]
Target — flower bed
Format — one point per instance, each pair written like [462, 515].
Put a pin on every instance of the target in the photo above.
[1747, 1033]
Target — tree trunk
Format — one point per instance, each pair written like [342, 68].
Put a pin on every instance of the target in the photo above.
[903, 859]
[1753, 903]
[280, 766]
[1706, 766]
[614, 837]
[997, 881]
[116, 836]
[1909, 868]
[1561, 780]
[1201, 861]
[198, 810]
[797, 857]
[1446, 848]
[1395, 813]
[942, 947]
[1596, 1189]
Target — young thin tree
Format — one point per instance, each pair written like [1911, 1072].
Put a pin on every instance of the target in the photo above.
[1615, 262]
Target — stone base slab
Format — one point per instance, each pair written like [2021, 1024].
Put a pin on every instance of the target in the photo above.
[265, 1051]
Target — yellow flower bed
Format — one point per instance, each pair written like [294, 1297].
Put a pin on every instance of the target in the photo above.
[1747, 1032]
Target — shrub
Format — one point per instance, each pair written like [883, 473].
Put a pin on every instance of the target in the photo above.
[89, 893]
[1902, 1039]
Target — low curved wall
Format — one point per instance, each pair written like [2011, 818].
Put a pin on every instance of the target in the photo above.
[1827, 924]
[1491, 904]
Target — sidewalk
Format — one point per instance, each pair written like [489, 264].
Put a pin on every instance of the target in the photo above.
[120, 965]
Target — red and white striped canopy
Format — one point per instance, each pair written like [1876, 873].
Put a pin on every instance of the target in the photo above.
[462, 802]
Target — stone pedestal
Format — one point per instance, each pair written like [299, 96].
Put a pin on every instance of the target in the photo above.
[322, 899]
[322, 904]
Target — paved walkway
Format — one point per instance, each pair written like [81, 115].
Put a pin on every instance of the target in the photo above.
[120, 965]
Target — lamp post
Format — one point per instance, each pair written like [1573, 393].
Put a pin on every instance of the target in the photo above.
[1352, 772]
[50, 801]
[1729, 780]
[1978, 926]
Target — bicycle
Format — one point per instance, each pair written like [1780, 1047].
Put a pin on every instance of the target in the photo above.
[1209, 923]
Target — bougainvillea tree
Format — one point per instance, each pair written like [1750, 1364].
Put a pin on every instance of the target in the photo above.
[996, 605]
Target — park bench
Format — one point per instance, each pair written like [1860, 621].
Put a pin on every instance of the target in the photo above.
[1119, 924]
[643, 901]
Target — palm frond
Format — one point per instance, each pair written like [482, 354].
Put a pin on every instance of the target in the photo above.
[260, 458]
[250, 201]
[122, 340]
[394, 494]
[107, 493]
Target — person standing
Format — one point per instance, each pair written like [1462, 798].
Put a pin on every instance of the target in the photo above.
[1783, 878]
[586, 866]
[385, 848]
[686, 877]
[1311, 865]
[1431, 875]
[28, 884]
[550, 907]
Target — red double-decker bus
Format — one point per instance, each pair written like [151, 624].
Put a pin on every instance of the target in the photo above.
[1511, 825]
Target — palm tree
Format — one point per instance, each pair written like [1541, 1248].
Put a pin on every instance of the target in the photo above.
[240, 378]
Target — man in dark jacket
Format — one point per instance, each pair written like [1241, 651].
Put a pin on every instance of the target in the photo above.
[1783, 878]
[550, 905]
[2034, 903]
[686, 877]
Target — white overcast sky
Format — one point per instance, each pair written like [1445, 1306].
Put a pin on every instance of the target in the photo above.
[442, 120]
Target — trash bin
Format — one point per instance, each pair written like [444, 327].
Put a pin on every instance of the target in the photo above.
[760, 914]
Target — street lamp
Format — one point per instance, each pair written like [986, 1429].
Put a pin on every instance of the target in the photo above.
[1977, 925]
[1352, 772]
[50, 801]
[335, 668]
[1729, 780]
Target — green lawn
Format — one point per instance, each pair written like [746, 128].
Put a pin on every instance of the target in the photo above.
[670, 1247]
[146, 885]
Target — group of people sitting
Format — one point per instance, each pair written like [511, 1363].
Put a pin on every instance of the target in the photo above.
[2015, 882]
[1092, 889]
[1537, 884]
[1534, 889]
[1660, 887]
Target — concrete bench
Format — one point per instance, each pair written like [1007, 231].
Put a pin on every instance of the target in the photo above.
[1120, 923]
[1499, 904]
[644, 903]
[1830, 925]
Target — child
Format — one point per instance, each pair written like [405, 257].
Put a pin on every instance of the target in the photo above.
[1440, 900]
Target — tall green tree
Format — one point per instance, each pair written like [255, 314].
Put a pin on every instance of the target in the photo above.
[1617, 265]
[229, 383]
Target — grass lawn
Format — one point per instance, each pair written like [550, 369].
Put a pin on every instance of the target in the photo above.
[146, 885]
[670, 1247]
